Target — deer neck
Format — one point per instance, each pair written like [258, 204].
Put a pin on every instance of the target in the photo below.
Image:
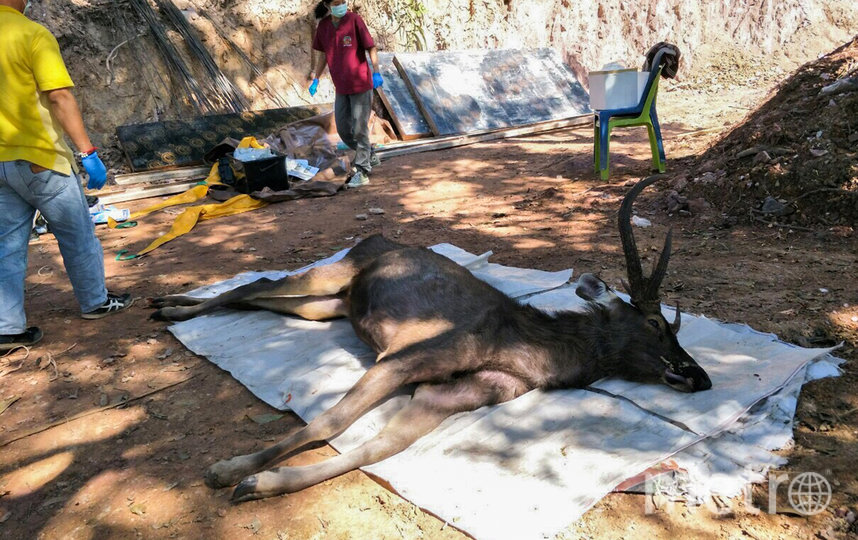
[579, 346]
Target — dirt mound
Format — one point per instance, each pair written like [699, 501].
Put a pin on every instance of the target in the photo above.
[794, 160]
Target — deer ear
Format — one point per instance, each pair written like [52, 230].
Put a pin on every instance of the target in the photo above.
[593, 289]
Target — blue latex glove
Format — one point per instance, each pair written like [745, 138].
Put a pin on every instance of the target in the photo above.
[377, 80]
[314, 86]
[96, 170]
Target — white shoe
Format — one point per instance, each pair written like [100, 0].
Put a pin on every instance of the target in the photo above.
[358, 179]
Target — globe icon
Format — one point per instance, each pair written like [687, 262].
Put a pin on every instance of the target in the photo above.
[809, 493]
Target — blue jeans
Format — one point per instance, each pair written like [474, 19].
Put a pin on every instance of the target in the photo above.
[61, 200]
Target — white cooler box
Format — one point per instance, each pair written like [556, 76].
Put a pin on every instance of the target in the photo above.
[616, 89]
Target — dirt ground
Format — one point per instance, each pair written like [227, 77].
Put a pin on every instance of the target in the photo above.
[115, 422]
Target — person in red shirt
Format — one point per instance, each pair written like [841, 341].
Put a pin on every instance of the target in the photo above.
[345, 41]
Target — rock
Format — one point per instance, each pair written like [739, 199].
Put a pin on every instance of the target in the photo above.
[679, 184]
[361, 217]
[697, 206]
[707, 178]
[676, 202]
[762, 157]
[841, 85]
[772, 206]
[376, 211]
[708, 166]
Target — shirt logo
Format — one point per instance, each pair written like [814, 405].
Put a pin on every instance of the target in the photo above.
[347, 41]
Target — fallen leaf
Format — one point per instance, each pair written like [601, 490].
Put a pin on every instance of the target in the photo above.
[265, 418]
[254, 525]
[6, 403]
[159, 416]
[137, 509]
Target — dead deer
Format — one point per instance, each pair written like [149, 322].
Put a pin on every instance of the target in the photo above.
[462, 342]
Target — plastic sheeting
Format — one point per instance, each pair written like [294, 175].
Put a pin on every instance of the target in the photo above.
[526, 468]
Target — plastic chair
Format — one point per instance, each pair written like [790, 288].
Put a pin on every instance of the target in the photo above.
[643, 114]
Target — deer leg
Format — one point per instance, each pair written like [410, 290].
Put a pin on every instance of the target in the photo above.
[175, 300]
[329, 279]
[431, 405]
[312, 308]
[378, 382]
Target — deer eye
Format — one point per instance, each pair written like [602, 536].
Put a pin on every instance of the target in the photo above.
[653, 323]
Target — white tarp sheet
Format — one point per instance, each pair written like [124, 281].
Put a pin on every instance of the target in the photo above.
[527, 468]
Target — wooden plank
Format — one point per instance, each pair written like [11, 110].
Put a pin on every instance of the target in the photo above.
[427, 115]
[442, 143]
[397, 99]
[183, 173]
[135, 194]
[467, 91]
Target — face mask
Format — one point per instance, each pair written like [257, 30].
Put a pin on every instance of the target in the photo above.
[339, 10]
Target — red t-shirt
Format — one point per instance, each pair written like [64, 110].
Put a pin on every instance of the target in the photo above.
[345, 51]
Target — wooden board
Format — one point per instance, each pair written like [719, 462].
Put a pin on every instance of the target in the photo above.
[184, 173]
[452, 141]
[465, 91]
[399, 102]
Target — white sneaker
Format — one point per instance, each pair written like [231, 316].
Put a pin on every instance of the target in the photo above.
[358, 179]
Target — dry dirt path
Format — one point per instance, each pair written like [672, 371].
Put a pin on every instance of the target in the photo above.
[128, 420]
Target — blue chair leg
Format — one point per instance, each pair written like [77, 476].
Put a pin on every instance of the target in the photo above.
[596, 143]
[661, 157]
[604, 146]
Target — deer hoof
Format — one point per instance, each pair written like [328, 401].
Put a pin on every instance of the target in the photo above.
[246, 490]
[174, 300]
[224, 474]
[158, 316]
[170, 314]
[159, 302]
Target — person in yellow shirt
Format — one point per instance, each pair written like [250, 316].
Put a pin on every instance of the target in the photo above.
[38, 172]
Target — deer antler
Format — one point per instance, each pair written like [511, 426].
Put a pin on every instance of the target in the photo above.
[643, 290]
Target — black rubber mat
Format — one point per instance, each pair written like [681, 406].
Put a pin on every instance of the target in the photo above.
[179, 143]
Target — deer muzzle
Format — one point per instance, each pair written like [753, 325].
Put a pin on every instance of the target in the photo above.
[688, 378]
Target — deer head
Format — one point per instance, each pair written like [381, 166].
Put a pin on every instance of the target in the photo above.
[651, 349]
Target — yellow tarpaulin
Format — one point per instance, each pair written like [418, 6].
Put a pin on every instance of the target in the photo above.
[186, 221]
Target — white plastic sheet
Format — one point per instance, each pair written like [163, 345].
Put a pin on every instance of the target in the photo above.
[526, 468]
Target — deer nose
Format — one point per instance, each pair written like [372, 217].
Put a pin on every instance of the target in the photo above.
[699, 377]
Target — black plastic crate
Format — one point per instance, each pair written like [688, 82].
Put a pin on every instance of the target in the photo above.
[261, 173]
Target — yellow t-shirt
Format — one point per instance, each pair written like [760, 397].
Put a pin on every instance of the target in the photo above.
[31, 64]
